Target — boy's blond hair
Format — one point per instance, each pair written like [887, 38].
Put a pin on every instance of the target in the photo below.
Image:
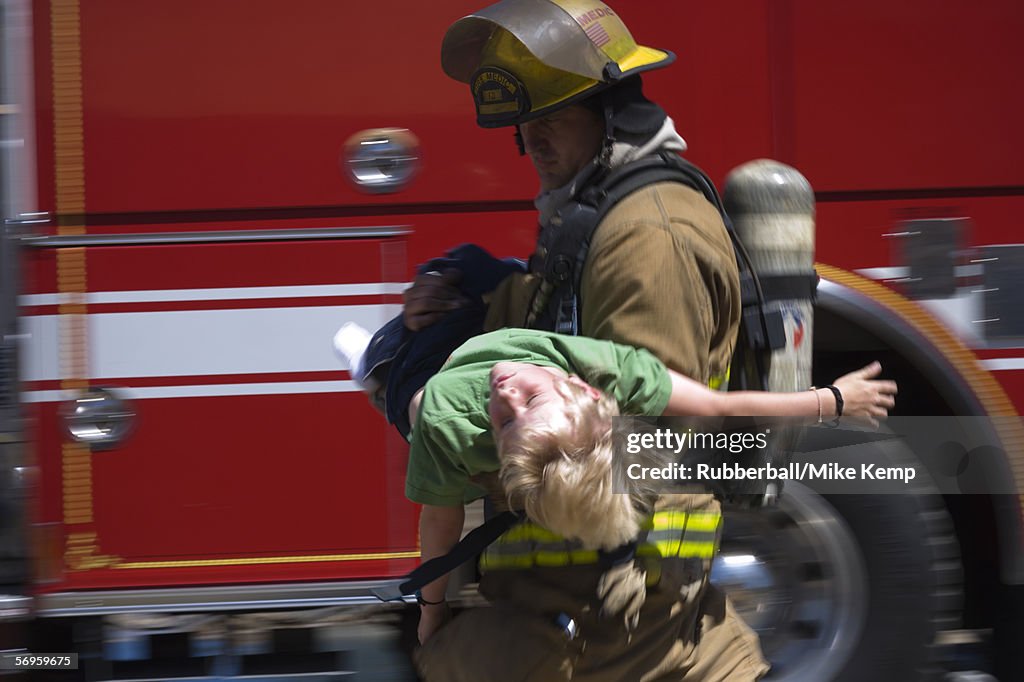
[563, 474]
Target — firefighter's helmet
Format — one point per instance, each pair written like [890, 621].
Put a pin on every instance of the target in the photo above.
[526, 58]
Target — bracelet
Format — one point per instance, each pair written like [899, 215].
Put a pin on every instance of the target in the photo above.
[423, 602]
[814, 390]
[839, 400]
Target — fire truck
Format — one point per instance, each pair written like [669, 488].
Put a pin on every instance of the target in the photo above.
[197, 194]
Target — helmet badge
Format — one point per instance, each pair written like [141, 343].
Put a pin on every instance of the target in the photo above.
[500, 97]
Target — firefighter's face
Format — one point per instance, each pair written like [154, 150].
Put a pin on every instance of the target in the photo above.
[562, 143]
[524, 394]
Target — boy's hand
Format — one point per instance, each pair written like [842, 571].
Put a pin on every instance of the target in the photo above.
[865, 396]
[431, 295]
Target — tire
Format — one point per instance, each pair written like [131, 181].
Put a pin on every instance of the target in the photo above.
[845, 587]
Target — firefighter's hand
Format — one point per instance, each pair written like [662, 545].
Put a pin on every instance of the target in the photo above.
[623, 590]
[864, 396]
[431, 295]
[432, 617]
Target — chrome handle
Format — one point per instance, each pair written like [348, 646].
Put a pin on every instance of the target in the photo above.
[381, 160]
[98, 418]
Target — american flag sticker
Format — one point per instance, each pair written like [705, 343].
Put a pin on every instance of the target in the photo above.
[597, 34]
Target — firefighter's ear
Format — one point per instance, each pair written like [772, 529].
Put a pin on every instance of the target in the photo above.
[591, 391]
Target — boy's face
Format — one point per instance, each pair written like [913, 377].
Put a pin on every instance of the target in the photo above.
[524, 394]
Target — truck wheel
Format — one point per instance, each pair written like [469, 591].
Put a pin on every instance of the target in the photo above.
[845, 587]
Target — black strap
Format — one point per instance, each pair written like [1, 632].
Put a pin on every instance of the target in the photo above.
[607, 558]
[564, 247]
[624, 180]
[839, 400]
[795, 287]
[475, 542]
[564, 252]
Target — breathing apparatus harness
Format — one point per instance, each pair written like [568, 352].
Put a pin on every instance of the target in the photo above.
[562, 253]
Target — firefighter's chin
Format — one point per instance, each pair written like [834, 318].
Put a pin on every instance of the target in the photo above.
[551, 174]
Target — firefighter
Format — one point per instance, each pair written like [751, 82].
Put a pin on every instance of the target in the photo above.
[659, 274]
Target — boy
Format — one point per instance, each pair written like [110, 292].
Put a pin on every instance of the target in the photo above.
[537, 407]
[520, 401]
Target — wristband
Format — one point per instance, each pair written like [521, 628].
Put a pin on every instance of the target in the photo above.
[839, 400]
[817, 395]
[423, 602]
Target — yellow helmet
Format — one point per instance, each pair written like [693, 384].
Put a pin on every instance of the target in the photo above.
[526, 58]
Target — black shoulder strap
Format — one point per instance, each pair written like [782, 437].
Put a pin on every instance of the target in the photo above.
[473, 544]
[662, 167]
[566, 247]
[620, 183]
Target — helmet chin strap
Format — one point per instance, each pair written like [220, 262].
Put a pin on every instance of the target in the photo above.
[519, 141]
[605, 156]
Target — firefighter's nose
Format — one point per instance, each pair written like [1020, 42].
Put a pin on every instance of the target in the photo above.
[537, 149]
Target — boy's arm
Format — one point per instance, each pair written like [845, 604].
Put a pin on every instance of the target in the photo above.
[692, 399]
[863, 397]
[414, 407]
[440, 530]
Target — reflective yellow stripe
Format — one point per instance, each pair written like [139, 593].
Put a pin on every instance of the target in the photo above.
[664, 549]
[527, 531]
[490, 561]
[648, 549]
[678, 520]
[548, 559]
[675, 534]
[581, 556]
[716, 382]
[702, 550]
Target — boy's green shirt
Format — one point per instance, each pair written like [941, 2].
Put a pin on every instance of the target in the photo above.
[452, 439]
